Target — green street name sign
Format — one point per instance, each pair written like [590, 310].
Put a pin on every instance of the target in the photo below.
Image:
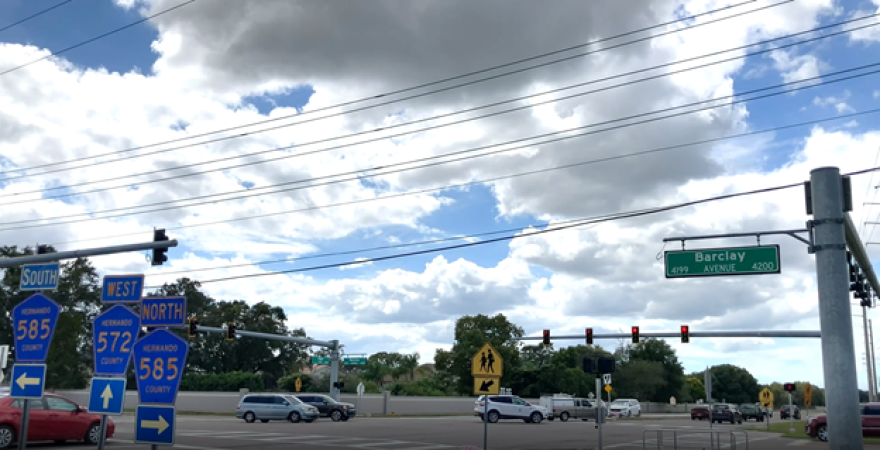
[722, 261]
[354, 360]
[320, 360]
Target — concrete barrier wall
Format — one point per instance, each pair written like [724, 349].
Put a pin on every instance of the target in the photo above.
[220, 402]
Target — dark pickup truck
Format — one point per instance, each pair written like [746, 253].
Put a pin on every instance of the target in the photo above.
[751, 411]
[327, 407]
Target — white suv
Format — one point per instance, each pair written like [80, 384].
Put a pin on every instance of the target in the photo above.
[625, 407]
[510, 407]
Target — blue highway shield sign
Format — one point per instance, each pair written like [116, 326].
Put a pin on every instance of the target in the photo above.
[33, 322]
[114, 334]
[159, 360]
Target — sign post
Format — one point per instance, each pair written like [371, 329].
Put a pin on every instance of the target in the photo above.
[487, 367]
[114, 332]
[360, 392]
[722, 262]
[159, 361]
[766, 399]
[34, 322]
[790, 415]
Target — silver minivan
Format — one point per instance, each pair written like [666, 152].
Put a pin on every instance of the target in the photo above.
[266, 407]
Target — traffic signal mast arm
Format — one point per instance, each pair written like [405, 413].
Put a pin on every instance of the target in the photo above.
[693, 334]
[73, 254]
[273, 337]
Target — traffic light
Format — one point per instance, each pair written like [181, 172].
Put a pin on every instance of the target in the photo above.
[605, 364]
[589, 333]
[43, 249]
[546, 338]
[193, 327]
[338, 384]
[685, 334]
[789, 387]
[635, 333]
[589, 365]
[159, 256]
[230, 332]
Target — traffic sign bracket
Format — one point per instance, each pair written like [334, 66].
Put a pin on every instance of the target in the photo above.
[756, 234]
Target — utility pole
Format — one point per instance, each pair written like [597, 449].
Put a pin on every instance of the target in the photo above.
[826, 202]
[334, 369]
[872, 394]
[873, 360]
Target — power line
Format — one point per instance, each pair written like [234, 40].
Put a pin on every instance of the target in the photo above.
[33, 16]
[89, 41]
[601, 219]
[594, 161]
[433, 127]
[30, 223]
[348, 103]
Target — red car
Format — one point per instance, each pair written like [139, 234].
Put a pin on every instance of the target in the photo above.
[817, 426]
[700, 412]
[52, 418]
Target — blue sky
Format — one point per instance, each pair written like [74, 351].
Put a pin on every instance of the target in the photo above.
[474, 209]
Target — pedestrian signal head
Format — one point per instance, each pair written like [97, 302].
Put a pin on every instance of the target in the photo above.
[685, 334]
[546, 337]
[635, 335]
[589, 334]
[789, 387]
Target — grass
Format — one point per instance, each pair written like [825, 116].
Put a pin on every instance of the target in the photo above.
[782, 427]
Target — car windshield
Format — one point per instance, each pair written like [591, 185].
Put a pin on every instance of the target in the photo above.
[620, 402]
[293, 400]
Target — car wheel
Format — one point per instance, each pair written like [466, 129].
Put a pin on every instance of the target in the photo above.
[822, 433]
[249, 417]
[493, 416]
[536, 417]
[563, 417]
[294, 417]
[336, 415]
[93, 435]
[7, 436]
[345, 418]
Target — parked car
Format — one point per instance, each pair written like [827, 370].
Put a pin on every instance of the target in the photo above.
[327, 407]
[726, 412]
[266, 407]
[510, 407]
[566, 408]
[625, 407]
[751, 411]
[700, 412]
[817, 426]
[52, 418]
[786, 411]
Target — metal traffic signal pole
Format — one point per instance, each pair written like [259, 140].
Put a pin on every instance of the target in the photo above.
[826, 201]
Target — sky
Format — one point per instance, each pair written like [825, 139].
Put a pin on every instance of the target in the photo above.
[321, 133]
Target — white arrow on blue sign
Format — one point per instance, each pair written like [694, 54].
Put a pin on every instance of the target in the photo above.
[114, 333]
[33, 322]
[28, 381]
[39, 277]
[107, 396]
[159, 360]
[154, 425]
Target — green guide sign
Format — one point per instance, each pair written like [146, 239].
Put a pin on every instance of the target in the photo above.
[722, 261]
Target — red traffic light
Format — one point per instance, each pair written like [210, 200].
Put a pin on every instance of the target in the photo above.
[546, 340]
[635, 329]
[684, 328]
[589, 333]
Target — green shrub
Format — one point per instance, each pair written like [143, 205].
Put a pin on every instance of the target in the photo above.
[226, 382]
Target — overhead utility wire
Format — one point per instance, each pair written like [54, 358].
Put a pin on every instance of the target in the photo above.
[89, 41]
[508, 230]
[405, 133]
[170, 204]
[602, 219]
[600, 160]
[433, 127]
[33, 16]
[387, 94]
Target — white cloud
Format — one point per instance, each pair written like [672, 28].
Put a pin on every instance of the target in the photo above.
[215, 54]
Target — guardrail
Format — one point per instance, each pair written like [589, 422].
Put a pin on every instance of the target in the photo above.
[715, 438]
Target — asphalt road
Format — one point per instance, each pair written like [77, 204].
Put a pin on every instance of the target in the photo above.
[442, 433]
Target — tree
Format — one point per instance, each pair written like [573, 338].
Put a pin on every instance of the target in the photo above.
[673, 373]
[471, 332]
[78, 295]
[639, 379]
[734, 384]
[693, 389]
